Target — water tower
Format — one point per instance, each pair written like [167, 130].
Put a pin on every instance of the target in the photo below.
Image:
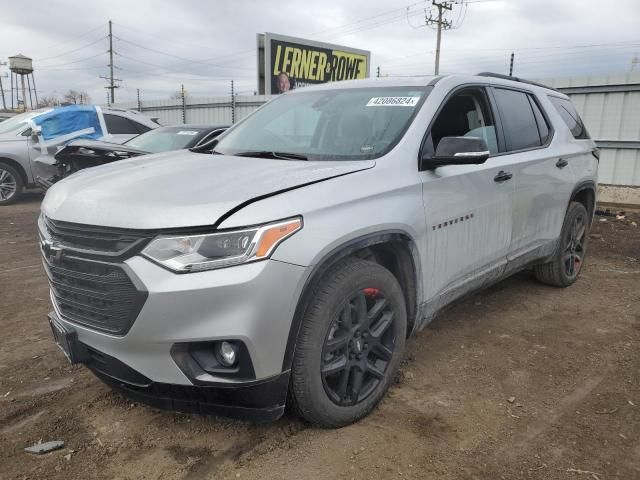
[21, 66]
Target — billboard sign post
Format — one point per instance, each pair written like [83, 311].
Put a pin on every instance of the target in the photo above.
[286, 63]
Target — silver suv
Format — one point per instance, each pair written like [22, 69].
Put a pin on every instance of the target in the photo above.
[19, 150]
[326, 228]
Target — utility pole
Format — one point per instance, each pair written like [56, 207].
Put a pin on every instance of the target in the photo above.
[24, 95]
[4, 103]
[442, 23]
[112, 86]
[511, 65]
[138, 97]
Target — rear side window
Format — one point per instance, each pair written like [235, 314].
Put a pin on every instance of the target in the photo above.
[117, 125]
[570, 116]
[518, 120]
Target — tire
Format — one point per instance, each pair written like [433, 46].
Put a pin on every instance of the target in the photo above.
[567, 261]
[11, 184]
[335, 331]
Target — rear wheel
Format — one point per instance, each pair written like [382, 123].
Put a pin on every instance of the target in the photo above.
[11, 184]
[564, 268]
[350, 344]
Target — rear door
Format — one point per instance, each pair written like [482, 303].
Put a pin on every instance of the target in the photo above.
[467, 207]
[543, 179]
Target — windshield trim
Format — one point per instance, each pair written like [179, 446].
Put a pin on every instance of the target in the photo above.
[426, 89]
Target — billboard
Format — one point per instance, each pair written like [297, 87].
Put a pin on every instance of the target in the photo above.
[286, 63]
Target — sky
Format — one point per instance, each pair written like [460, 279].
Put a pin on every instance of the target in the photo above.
[162, 44]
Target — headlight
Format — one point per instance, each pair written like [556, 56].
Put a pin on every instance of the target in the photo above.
[194, 253]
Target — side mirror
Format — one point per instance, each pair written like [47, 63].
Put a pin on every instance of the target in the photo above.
[36, 131]
[457, 151]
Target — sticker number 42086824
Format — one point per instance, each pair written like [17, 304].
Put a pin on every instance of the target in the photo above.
[393, 102]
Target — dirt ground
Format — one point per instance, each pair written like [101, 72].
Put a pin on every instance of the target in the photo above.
[520, 381]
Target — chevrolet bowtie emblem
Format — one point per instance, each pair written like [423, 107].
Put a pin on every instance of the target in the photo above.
[52, 251]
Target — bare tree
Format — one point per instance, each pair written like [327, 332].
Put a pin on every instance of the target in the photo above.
[48, 101]
[77, 97]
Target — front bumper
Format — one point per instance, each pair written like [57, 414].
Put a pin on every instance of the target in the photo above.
[262, 400]
[252, 303]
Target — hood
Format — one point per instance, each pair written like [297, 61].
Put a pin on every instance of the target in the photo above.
[180, 188]
[12, 137]
[95, 152]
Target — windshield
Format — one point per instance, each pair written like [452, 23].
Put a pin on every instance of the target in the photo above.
[347, 124]
[166, 139]
[16, 123]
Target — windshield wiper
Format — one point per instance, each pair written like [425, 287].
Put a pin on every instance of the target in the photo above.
[274, 155]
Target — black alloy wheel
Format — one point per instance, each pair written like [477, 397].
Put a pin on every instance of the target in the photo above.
[563, 268]
[358, 347]
[575, 247]
[350, 343]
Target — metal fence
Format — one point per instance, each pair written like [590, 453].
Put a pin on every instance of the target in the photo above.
[609, 105]
[210, 110]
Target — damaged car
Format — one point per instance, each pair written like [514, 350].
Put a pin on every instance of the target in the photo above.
[80, 154]
[29, 140]
[290, 266]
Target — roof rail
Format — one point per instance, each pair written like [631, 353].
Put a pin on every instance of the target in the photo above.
[515, 79]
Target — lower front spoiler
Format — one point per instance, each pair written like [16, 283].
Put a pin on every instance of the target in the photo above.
[256, 402]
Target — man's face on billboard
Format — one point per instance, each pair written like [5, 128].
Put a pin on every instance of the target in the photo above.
[283, 83]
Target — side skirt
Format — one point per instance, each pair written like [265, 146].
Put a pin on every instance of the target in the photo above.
[484, 278]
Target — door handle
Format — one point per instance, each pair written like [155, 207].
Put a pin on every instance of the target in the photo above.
[503, 176]
[561, 163]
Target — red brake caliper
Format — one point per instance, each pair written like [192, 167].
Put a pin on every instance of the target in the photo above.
[372, 292]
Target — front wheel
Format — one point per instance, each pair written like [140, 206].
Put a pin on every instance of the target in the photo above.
[568, 259]
[350, 345]
[10, 184]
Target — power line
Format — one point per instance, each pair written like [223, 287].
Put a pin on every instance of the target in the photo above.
[187, 60]
[71, 51]
[162, 67]
[72, 39]
[355, 22]
[45, 67]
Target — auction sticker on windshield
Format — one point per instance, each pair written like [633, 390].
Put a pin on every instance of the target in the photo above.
[393, 102]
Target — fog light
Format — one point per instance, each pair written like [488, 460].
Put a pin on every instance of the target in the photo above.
[227, 354]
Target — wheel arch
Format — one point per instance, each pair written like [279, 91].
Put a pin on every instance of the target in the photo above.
[585, 193]
[395, 250]
[19, 168]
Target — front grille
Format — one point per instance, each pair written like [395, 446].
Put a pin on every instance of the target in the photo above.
[95, 294]
[90, 239]
[88, 286]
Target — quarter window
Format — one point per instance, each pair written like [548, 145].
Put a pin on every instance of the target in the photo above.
[570, 116]
[518, 120]
[141, 128]
[117, 125]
